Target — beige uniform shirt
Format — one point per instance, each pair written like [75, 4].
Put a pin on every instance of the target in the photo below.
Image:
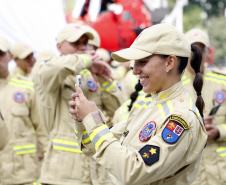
[18, 105]
[17, 71]
[54, 82]
[161, 143]
[122, 113]
[213, 167]
[4, 133]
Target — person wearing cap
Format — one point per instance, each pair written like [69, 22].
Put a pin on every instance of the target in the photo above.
[162, 141]
[54, 81]
[213, 166]
[18, 104]
[23, 55]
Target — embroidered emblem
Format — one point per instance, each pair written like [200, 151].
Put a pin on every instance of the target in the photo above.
[163, 96]
[150, 154]
[219, 96]
[174, 129]
[147, 131]
[92, 86]
[125, 133]
[19, 97]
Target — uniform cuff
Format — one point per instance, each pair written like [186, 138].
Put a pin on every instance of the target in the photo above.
[222, 132]
[93, 120]
[79, 126]
[87, 61]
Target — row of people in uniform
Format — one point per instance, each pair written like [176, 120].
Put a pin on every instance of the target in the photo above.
[68, 149]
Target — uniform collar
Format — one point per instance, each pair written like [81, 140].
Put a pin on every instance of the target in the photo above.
[168, 94]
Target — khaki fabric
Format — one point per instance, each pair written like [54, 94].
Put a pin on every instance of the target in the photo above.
[4, 133]
[213, 165]
[122, 113]
[17, 71]
[18, 104]
[178, 162]
[54, 82]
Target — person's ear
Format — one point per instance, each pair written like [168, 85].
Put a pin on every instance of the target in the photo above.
[171, 62]
[59, 47]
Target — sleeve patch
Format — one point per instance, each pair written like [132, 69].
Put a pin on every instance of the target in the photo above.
[150, 154]
[174, 129]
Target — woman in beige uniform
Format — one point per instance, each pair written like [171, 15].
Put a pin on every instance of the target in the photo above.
[161, 143]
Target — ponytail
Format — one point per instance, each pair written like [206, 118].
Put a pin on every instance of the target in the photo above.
[134, 95]
[195, 62]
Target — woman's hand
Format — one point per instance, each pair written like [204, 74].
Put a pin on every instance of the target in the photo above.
[211, 129]
[79, 106]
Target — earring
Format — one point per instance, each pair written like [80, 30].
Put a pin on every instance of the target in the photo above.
[167, 70]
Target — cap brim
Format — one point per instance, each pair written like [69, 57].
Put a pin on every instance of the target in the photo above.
[4, 49]
[76, 36]
[25, 54]
[128, 54]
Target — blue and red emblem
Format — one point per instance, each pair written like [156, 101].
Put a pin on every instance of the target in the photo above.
[219, 96]
[92, 86]
[172, 132]
[147, 131]
[18, 97]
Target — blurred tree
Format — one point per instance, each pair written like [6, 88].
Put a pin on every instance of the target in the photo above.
[208, 15]
[192, 17]
[217, 30]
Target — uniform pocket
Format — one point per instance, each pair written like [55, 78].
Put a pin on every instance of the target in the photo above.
[25, 160]
[20, 111]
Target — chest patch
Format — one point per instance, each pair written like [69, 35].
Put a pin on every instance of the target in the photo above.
[147, 131]
[219, 96]
[18, 97]
[174, 129]
[92, 86]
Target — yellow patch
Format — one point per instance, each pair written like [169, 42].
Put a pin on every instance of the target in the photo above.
[163, 96]
[180, 120]
[153, 151]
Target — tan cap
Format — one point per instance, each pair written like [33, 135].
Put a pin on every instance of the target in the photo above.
[162, 39]
[96, 40]
[72, 32]
[4, 44]
[21, 50]
[104, 54]
[197, 35]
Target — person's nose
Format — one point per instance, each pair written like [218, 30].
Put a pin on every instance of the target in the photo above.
[136, 68]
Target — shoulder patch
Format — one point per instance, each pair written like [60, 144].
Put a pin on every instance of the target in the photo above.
[19, 97]
[174, 129]
[219, 96]
[92, 85]
[150, 154]
[147, 131]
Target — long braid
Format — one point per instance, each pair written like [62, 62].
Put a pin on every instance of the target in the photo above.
[198, 80]
[135, 94]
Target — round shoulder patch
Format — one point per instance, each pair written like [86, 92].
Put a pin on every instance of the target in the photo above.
[92, 85]
[219, 96]
[147, 131]
[18, 97]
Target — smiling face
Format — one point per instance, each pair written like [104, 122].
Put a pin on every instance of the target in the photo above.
[152, 73]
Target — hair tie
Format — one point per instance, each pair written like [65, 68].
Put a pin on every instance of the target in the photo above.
[199, 94]
[197, 71]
